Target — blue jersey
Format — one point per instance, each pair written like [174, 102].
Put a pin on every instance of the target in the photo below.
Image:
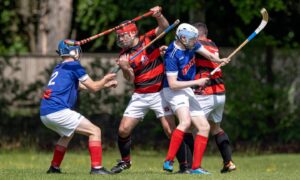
[62, 90]
[180, 62]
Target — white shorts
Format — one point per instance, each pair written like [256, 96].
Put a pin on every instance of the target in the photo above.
[140, 104]
[213, 106]
[183, 98]
[63, 122]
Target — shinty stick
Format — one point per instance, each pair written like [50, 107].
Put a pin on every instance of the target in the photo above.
[84, 41]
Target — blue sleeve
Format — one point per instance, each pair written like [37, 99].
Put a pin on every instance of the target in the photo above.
[197, 46]
[79, 72]
[171, 60]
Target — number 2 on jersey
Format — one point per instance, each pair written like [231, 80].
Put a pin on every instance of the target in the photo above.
[53, 76]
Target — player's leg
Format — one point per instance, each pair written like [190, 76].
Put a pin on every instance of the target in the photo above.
[177, 137]
[168, 124]
[184, 154]
[87, 128]
[126, 126]
[223, 143]
[135, 111]
[63, 122]
[165, 115]
[220, 136]
[59, 153]
[202, 126]
[179, 102]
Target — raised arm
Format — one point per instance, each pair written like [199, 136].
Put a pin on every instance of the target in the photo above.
[161, 20]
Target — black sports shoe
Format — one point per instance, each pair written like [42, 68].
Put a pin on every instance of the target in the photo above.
[184, 171]
[230, 166]
[100, 171]
[53, 169]
[121, 166]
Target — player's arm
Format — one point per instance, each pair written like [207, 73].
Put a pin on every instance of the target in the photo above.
[161, 20]
[107, 81]
[127, 71]
[82, 87]
[211, 56]
[174, 84]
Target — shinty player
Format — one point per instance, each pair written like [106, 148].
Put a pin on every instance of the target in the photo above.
[180, 70]
[212, 97]
[146, 71]
[59, 99]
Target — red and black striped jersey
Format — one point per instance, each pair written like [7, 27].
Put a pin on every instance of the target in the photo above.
[205, 66]
[147, 66]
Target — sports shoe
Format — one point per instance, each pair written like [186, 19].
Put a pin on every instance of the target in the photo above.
[228, 167]
[53, 169]
[100, 171]
[184, 171]
[168, 166]
[199, 171]
[121, 166]
[184, 168]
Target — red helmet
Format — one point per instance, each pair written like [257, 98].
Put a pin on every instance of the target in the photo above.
[127, 28]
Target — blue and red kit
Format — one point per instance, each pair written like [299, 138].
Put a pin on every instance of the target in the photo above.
[181, 62]
[62, 89]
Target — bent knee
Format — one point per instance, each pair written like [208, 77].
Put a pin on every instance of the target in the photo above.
[207, 126]
[96, 131]
[215, 130]
[124, 131]
[204, 126]
[185, 124]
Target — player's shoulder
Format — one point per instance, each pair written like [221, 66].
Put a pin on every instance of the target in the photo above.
[73, 66]
[208, 42]
[173, 51]
[150, 34]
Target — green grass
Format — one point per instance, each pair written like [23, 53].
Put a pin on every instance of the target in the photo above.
[146, 165]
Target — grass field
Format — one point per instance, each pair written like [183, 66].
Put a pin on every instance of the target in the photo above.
[146, 165]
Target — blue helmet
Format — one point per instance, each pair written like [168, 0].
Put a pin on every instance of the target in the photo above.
[68, 50]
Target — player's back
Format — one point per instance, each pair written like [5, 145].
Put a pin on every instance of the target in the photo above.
[61, 91]
[205, 66]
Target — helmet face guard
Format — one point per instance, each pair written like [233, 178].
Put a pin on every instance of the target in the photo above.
[124, 35]
[125, 40]
[65, 50]
[187, 35]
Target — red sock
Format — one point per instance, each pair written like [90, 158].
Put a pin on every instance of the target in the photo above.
[175, 142]
[58, 155]
[95, 149]
[199, 148]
